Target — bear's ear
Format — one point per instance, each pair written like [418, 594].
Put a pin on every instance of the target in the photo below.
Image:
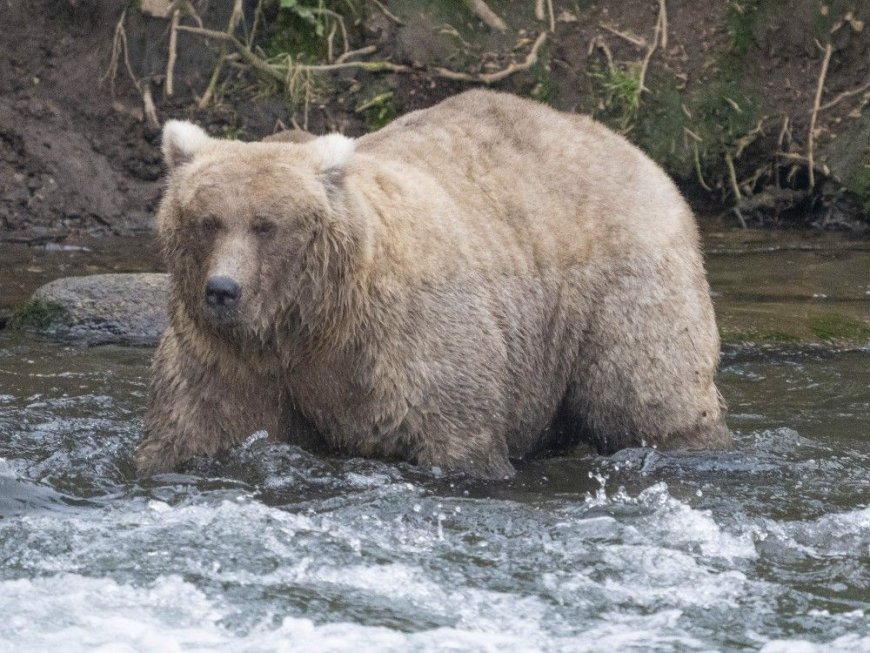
[332, 151]
[181, 141]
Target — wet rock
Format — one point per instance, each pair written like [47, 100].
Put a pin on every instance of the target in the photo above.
[99, 309]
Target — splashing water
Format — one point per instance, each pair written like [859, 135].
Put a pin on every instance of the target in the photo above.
[270, 548]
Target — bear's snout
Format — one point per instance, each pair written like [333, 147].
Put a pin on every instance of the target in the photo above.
[222, 293]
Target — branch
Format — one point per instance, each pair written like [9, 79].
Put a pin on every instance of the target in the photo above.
[370, 66]
[815, 114]
[491, 19]
[663, 18]
[148, 107]
[253, 60]
[490, 78]
[638, 41]
[843, 96]
[369, 49]
[661, 23]
[173, 53]
[233, 24]
[387, 13]
[278, 73]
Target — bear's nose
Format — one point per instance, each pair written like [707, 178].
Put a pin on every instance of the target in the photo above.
[222, 292]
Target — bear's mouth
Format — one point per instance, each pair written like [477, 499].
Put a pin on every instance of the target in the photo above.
[222, 317]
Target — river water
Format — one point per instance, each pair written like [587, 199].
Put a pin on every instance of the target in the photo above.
[766, 547]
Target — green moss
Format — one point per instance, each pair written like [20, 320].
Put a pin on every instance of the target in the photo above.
[38, 314]
[835, 326]
[758, 336]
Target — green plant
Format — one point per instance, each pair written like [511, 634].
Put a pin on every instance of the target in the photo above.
[378, 111]
[309, 29]
[543, 90]
[741, 18]
[621, 85]
[232, 133]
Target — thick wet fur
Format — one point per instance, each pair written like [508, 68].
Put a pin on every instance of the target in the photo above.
[439, 291]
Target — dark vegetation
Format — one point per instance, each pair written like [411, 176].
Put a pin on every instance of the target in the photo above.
[757, 107]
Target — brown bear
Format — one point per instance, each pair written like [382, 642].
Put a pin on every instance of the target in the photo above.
[476, 282]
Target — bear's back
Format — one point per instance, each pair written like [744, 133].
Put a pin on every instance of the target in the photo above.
[508, 183]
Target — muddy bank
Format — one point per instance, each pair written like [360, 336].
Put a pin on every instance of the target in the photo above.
[725, 96]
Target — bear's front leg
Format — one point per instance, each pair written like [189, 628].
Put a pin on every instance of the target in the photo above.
[200, 407]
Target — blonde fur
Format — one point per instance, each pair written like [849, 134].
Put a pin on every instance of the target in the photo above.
[181, 141]
[478, 281]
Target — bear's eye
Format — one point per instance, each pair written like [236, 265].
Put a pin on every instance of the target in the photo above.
[263, 227]
[210, 224]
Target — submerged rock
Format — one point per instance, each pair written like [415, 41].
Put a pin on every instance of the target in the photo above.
[99, 309]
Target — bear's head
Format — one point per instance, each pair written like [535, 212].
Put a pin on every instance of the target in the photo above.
[257, 235]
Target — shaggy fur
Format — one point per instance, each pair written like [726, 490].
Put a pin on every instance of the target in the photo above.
[478, 281]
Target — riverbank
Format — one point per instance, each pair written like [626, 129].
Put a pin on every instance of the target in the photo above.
[754, 106]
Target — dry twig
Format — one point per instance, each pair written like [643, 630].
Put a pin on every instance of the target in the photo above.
[661, 25]
[698, 169]
[369, 49]
[386, 12]
[338, 19]
[235, 17]
[119, 47]
[490, 78]
[842, 96]
[663, 18]
[149, 108]
[279, 73]
[250, 58]
[784, 132]
[491, 19]
[818, 100]
[173, 53]
[749, 137]
[634, 39]
[598, 43]
[732, 177]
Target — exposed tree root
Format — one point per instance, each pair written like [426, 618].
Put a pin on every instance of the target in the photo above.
[119, 49]
[386, 12]
[816, 103]
[233, 24]
[842, 96]
[491, 19]
[634, 39]
[491, 78]
[173, 53]
[369, 49]
[659, 38]
[148, 106]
